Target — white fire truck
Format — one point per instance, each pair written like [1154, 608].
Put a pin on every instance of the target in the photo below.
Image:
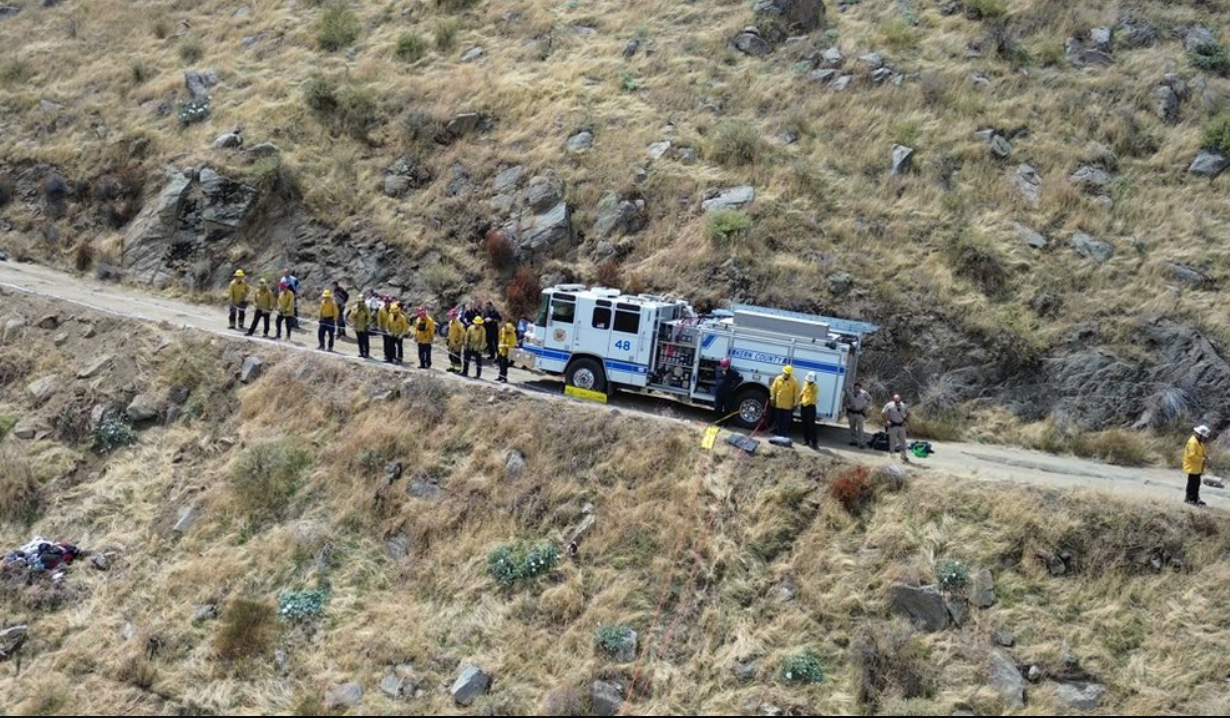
[600, 340]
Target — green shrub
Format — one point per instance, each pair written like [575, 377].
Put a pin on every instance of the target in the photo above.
[446, 35]
[15, 72]
[247, 630]
[356, 110]
[725, 225]
[6, 425]
[338, 27]
[1050, 54]
[113, 434]
[899, 34]
[614, 640]
[441, 278]
[976, 259]
[191, 49]
[510, 563]
[804, 667]
[141, 71]
[410, 47]
[952, 575]
[320, 94]
[302, 606]
[1211, 58]
[1217, 132]
[193, 110]
[985, 9]
[267, 476]
[735, 143]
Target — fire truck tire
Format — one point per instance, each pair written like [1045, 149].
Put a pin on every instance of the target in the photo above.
[585, 373]
[752, 402]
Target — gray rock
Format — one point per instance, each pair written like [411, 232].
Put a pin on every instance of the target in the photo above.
[1090, 248]
[460, 181]
[1034, 674]
[424, 489]
[746, 670]
[188, 516]
[228, 140]
[1166, 104]
[841, 83]
[1030, 237]
[1185, 274]
[658, 150]
[1090, 179]
[459, 126]
[1080, 696]
[392, 471]
[43, 389]
[48, 322]
[398, 546]
[12, 329]
[1134, 33]
[1199, 41]
[1079, 54]
[264, 149]
[345, 695]
[631, 48]
[1100, 38]
[1029, 184]
[205, 612]
[508, 179]
[544, 192]
[903, 160]
[100, 561]
[580, 141]
[982, 589]
[88, 332]
[143, 407]
[1003, 638]
[541, 233]
[840, 283]
[872, 60]
[471, 683]
[749, 42]
[783, 18]
[392, 686]
[833, 57]
[1006, 679]
[93, 368]
[1178, 84]
[924, 606]
[12, 638]
[60, 339]
[733, 198]
[251, 369]
[199, 83]
[1209, 163]
[8, 11]
[822, 76]
[606, 698]
[514, 465]
[473, 54]
[1000, 146]
[395, 185]
[687, 155]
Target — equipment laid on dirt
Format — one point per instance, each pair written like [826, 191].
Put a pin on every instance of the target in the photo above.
[599, 339]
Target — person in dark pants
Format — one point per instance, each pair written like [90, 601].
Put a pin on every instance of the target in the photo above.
[724, 395]
[807, 410]
[476, 342]
[1194, 457]
[286, 309]
[237, 293]
[783, 394]
[329, 314]
[491, 324]
[341, 296]
[361, 320]
[424, 334]
[508, 342]
[264, 307]
[397, 328]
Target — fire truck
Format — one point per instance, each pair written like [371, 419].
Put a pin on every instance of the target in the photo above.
[600, 340]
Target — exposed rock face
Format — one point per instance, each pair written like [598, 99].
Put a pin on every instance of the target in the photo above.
[779, 19]
[543, 224]
[1006, 679]
[924, 606]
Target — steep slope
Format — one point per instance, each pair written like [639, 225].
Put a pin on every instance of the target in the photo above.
[394, 494]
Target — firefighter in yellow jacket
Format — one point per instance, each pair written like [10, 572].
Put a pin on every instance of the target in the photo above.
[1195, 454]
[507, 342]
[286, 309]
[237, 293]
[264, 307]
[456, 341]
[808, 399]
[783, 394]
[476, 342]
[395, 329]
[424, 332]
[360, 316]
[329, 314]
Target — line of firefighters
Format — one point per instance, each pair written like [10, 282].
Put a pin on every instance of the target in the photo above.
[470, 335]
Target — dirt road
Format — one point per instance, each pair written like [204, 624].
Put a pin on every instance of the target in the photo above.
[975, 461]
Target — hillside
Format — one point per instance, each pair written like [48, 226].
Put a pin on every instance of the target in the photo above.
[1040, 248]
[394, 494]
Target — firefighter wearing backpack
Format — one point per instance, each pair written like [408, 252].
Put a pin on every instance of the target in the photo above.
[329, 314]
[264, 307]
[456, 341]
[360, 317]
[783, 394]
[424, 332]
[507, 341]
[807, 410]
[286, 309]
[396, 329]
[237, 293]
[476, 342]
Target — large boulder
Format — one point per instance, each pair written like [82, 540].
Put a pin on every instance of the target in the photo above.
[606, 698]
[198, 83]
[345, 695]
[11, 640]
[733, 198]
[923, 605]
[251, 369]
[982, 589]
[1079, 696]
[543, 225]
[1090, 248]
[143, 407]
[471, 683]
[40, 390]
[1209, 163]
[1090, 179]
[779, 19]
[1029, 184]
[1006, 679]
[619, 216]
[903, 160]
[150, 234]
[750, 42]
[1166, 104]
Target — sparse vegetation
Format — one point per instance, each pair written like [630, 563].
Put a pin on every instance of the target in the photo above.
[1217, 132]
[500, 251]
[1211, 58]
[193, 110]
[410, 47]
[985, 9]
[726, 225]
[267, 476]
[614, 639]
[302, 606]
[338, 27]
[445, 35]
[19, 487]
[247, 631]
[510, 563]
[735, 144]
[853, 489]
[805, 668]
[113, 434]
[952, 575]
[523, 292]
[15, 72]
[191, 49]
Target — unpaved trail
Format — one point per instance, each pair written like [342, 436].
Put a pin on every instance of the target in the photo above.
[983, 462]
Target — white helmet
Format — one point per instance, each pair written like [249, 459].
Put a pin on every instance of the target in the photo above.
[811, 377]
[1203, 431]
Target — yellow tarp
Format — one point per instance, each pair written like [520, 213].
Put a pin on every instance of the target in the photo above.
[710, 437]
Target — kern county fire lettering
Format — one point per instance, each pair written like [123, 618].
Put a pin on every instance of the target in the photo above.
[760, 357]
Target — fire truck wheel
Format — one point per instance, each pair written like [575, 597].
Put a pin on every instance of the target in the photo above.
[751, 402]
[587, 374]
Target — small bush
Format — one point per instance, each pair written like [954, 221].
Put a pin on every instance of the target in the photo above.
[976, 259]
[523, 292]
[500, 252]
[614, 640]
[338, 27]
[302, 606]
[899, 34]
[725, 225]
[418, 128]
[985, 9]
[441, 278]
[19, 487]
[267, 476]
[802, 668]
[356, 110]
[445, 35]
[1217, 132]
[1114, 446]
[162, 29]
[272, 176]
[320, 95]
[113, 434]
[83, 255]
[510, 563]
[410, 47]
[1211, 58]
[141, 71]
[735, 144]
[191, 49]
[138, 671]
[853, 489]
[15, 72]
[952, 575]
[1050, 54]
[609, 274]
[247, 630]
[889, 661]
[193, 110]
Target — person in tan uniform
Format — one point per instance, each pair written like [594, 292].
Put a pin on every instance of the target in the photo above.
[265, 302]
[237, 292]
[896, 415]
[857, 404]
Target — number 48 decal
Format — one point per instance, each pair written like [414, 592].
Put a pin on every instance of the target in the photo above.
[623, 345]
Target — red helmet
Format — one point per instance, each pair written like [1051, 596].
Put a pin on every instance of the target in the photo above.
[725, 363]
[422, 311]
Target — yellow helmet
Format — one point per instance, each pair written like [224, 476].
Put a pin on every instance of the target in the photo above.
[788, 370]
[396, 306]
[328, 293]
[478, 321]
[239, 274]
